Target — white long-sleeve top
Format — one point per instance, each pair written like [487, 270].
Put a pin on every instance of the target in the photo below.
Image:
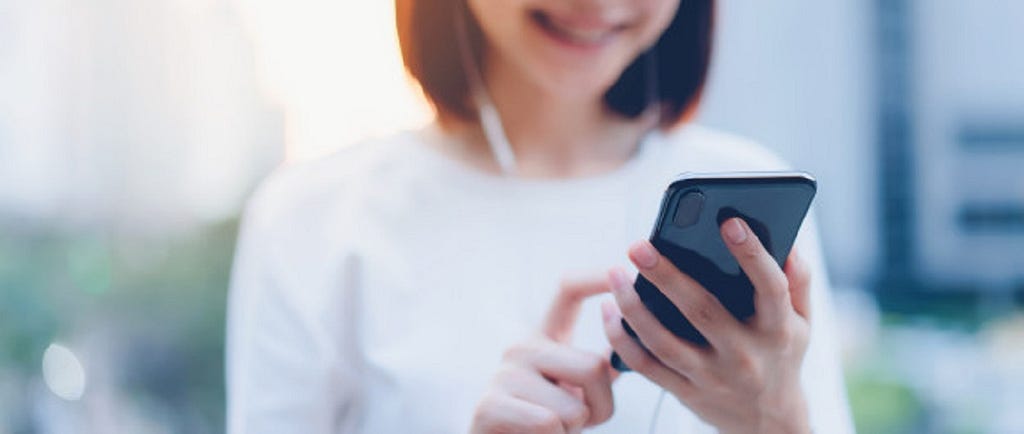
[374, 290]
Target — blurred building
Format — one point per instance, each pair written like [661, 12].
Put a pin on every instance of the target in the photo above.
[967, 113]
[911, 114]
[137, 114]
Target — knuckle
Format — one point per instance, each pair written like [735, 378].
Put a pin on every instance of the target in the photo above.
[670, 354]
[630, 304]
[803, 338]
[733, 347]
[801, 275]
[750, 250]
[776, 288]
[783, 335]
[517, 351]
[577, 416]
[507, 374]
[688, 395]
[780, 283]
[486, 403]
[749, 369]
[715, 385]
[643, 365]
[545, 421]
[567, 290]
[659, 348]
[663, 275]
[594, 367]
[616, 335]
[702, 311]
[602, 414]
[484, 416]
[605, 415]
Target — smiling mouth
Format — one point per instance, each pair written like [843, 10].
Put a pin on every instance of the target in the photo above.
[588, 36]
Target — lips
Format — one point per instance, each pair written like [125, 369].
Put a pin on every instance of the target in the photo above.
[584, 32]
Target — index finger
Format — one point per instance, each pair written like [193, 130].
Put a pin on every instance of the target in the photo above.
[565, 308]
[771, 287]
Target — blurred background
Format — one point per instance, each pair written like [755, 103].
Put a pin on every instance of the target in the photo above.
[131, 133]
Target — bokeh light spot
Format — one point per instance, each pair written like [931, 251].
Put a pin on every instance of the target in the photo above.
[63, 372]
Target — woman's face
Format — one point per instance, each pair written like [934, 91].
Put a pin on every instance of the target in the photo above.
[570, 48]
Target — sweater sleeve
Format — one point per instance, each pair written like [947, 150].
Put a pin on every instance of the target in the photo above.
[286, 363]
[822, 374]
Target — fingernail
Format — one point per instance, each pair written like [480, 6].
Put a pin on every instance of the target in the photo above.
[643, 254]
[606, 311]
[618, 279]
[609, 312]
[734, 231]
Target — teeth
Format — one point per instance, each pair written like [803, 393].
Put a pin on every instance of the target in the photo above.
[582, 36]
[573, 34]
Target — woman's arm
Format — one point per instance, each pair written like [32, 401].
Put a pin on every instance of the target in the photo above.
[285, 370]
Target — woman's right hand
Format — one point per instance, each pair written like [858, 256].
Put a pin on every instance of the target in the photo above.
[546, 386]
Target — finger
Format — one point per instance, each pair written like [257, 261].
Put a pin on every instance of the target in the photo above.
[506, 413]
[562, 315]
[700, 307]
[613, 373]
[683, 357]
[771, 288]
[585, 370]
[637, 358]
[572, 412]
[798, 273]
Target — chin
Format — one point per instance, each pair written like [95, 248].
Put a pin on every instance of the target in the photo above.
[575, 87]
[574, 49]
[573, 81]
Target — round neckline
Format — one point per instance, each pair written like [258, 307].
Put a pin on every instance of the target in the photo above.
[431, 134]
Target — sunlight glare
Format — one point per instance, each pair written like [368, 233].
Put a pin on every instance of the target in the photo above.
[336, 68]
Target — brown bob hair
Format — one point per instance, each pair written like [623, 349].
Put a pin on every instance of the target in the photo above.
[673, 71]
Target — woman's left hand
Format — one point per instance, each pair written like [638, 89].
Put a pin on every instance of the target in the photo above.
[748, 379]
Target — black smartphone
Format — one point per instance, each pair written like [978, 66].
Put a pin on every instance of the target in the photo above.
[693, 209]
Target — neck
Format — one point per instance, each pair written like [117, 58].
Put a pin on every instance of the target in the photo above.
[553, 136]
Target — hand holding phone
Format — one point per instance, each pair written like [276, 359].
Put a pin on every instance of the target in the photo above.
[732, 353]
[772, 204]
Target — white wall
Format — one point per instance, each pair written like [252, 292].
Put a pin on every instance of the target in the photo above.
[797, 75]
[140, 113]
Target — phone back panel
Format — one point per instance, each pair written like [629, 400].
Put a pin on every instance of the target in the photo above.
[773, 206]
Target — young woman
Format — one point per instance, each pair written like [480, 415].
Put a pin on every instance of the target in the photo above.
[431, 282]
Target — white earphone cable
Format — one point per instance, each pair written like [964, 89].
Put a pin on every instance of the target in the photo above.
[497, 140]
[657, 410]
[490, 120]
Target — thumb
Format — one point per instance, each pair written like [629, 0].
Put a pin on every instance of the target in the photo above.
[562, 314]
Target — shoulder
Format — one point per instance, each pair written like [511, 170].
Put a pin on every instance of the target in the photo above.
[303, 222]
[297, 192]
[710, 149]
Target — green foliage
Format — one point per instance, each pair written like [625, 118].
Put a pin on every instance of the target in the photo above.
[882, 407]
[157, 304]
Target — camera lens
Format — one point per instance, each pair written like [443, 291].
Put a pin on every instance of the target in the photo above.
[688, 209]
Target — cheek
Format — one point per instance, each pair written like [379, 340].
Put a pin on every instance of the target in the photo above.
[494, 19]
[658, 16]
